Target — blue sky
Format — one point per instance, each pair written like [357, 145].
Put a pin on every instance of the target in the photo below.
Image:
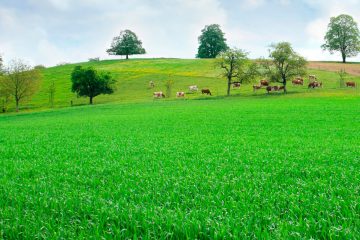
[53, 31]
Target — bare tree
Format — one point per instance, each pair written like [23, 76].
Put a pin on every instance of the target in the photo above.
[20, 81]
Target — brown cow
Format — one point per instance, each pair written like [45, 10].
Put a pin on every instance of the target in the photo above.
[298, 81]
[350, 84]
[264, 83]
[206, 91]
[236, 84]
[274, 88]
[315, 85]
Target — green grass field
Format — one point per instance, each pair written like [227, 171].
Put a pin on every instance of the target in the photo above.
[279, 167]
[250, 166]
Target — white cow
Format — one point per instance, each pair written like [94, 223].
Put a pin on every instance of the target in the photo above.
[159, 95]
[180, 94]
[193, 88]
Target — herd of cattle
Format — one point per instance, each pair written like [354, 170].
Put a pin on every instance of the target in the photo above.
[263, 84]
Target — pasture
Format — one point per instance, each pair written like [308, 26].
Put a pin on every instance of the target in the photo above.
[133, 77]
[279, 167]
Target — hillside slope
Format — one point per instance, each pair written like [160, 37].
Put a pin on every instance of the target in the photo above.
[133, 78]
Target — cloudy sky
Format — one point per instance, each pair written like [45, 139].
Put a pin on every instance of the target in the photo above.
[53, 31]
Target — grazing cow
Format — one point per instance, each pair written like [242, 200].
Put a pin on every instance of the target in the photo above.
[315, 85]
[180, 94]
[256, 87]
[236, 84]
[193, 88]
[206, 91]
[151, 84]
[264, 83]
[159, 95]
[298, 81]
[274, 88]
[350, 84]
[312, 78]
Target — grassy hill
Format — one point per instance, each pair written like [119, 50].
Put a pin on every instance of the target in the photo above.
[133, 78]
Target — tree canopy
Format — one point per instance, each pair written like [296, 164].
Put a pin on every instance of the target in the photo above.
[87, 82]
[236, 64]
[342, 36]
[283, 63]
[212, 42]
[126, 44]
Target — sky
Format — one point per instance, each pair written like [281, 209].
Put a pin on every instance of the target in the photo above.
[50, 32]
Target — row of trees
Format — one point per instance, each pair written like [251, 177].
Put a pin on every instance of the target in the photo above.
[342, 36]
[283, 64]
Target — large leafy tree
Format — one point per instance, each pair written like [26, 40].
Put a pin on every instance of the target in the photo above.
[87, 82]
[343, 36]
[126, 44]
[212, 42]
[283, 63]
[236, 65]
[19, 81]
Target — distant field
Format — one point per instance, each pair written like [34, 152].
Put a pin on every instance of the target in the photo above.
[351, 68]
[274, 167]
[133, 78]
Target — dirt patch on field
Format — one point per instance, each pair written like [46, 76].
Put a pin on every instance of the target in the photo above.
[351, 68]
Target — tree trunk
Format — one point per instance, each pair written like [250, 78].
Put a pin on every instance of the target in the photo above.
[228, 87]
[284, 83]
[17, 105]
[91, 100]
[343, 57]
[127, 57]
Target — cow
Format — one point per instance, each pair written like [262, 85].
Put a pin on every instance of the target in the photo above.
[236, 84]
[180, 94]
[298, 81]
[256, 87]
[206, 91]
[193, 88]
[274, 88]
[350, 84]
[151, 84]
[264, 83]
[312, 78]
[315, 85]
[159, 95]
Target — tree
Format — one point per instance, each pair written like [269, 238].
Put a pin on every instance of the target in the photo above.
[343, 35]
[1, 64]
[284, 63]
[212, 42]
[127, 43]
[236, 64]
[20, 81]
[87, 82]
[51, 91]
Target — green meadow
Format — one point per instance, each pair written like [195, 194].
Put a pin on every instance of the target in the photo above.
[133, 77]
[249, 166]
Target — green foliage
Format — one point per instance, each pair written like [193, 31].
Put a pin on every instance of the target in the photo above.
[279, 167]
[20, 82]
[127, 43]
[88, 82]
[236, 64]
[39, 67]
[343, 35]
[212, 42]
[283, 64]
